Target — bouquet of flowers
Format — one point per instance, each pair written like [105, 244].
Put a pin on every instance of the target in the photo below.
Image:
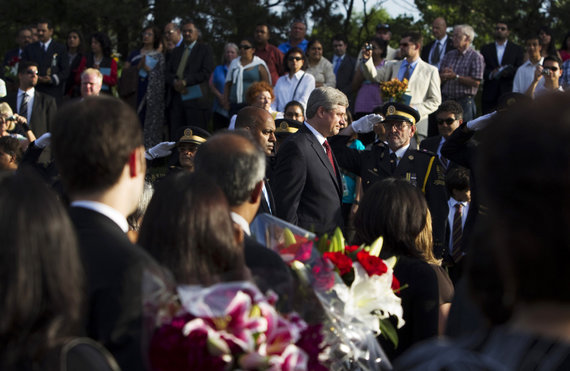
[11, 68]
[231, 326]
[356, 306]
[395, 91]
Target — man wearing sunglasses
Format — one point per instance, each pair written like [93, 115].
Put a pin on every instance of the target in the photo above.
[448, 118]
[38, 108]
[551, 72]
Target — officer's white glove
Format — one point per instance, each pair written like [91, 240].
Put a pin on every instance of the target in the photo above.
[160, 150]
[366, 123]
[43, 141]
[480, 122]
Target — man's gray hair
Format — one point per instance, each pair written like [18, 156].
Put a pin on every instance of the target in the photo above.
[326, 97]
[467, 30]
[236, 167]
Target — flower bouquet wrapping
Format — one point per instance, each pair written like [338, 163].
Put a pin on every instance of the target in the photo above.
[395, 91]
[228, 326]
[355, 306]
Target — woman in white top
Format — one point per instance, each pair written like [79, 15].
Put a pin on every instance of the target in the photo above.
[242, 73]
[320, 67]
[296, 84]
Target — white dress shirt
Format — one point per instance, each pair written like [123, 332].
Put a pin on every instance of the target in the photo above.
[285, 88]
[500, 51]
[239, 220]
[524, 77]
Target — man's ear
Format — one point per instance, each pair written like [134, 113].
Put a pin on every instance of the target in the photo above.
[137, 162]
[256, 193]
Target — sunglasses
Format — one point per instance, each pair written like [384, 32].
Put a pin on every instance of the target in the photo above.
[294, 59]
[500, 28]
[447, 121]
[245, 47]
[32, 72]
[553, 69]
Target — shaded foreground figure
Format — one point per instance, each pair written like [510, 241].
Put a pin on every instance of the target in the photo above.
[518, 270]
[397, 211]
[41, 283]
[98, 149]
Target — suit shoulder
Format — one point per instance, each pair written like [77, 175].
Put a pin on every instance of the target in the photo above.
[424, 153]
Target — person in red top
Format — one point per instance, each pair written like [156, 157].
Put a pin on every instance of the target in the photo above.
[100, 58]
[272, 56]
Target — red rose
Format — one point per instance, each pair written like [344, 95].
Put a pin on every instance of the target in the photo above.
[371, 264]
[323, 275]
[352, 248]
[395, 283]
[341, 261]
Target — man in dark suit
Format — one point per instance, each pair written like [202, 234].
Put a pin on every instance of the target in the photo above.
[261, 126]
[187, 76]
[98, 149]
[502, 58]
[52, 61]
[12, 57]
[448, 117]
[344, 66]
[397, 159]
[306, 182]
[38, 109]
[237, 165]
[434, 51]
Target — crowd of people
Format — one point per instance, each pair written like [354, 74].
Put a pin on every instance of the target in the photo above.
[108, 177]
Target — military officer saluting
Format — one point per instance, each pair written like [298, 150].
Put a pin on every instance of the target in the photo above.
[393, 156]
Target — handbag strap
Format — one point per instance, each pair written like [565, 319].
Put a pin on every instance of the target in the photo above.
[296, 87]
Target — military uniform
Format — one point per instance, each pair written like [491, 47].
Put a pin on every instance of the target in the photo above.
[419, 167]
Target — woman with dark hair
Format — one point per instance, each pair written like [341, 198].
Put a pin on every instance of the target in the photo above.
[100, 58]
[296, 84]
[397, 211]
[75, 51]
[547, 42]
[368, 92]
[565, 48]
[149, 62]
[41, 283]
[188, 229]
[242, 73]
[318, 66]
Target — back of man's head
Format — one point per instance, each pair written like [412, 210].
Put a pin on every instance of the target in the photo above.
[251, 117]
[93, 141]
[234, 161]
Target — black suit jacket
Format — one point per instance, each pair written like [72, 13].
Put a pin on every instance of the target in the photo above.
[494, 88]
[198, 69]
[426, 49]
[345, 74]
[114, 270]
[55, 60]
[307, 191]
[43, 111]
[264, 207]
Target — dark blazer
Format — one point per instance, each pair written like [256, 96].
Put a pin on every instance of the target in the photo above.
[424, 55]
[198, 69]
[264, 207]
[307, 191]
[345, 74]
[114, 271]
[494, 88]
[431, 144]
[43, 111]
[55, 60]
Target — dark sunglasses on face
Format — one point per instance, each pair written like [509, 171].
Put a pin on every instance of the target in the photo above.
[32, 72]
[294, 59]
[500, 28]
[245, 47]
[447, 121]
[553, 69]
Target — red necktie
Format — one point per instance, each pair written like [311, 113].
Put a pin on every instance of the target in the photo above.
[329, 154]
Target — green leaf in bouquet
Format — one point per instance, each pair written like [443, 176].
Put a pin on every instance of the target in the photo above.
[337, 241]
[289, 237]
[322, 244]
[388, 331]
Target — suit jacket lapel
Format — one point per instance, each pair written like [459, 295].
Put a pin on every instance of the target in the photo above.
[319, 150]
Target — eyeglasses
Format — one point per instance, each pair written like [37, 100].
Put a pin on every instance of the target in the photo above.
[551, 68]
[147, 34]
[397, 124]
[295, 59]
[447, 121]
[32, 72]
[500, 28]
[245, 47]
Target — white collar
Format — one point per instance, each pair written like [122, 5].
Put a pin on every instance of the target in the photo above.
[30, 92]
[442, 41]
[297, 75]
[240, 220]
[400, 151]
[320, 137]
[106, 210]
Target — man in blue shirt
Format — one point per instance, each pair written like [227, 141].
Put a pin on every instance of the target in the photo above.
[296, 37]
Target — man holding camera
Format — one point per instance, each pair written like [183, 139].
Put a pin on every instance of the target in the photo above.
[551, 72]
